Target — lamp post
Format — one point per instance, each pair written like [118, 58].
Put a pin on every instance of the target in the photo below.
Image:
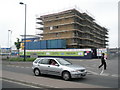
[9, 43]
[24, 31]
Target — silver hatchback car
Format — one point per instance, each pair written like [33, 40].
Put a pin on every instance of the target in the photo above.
[58, 67]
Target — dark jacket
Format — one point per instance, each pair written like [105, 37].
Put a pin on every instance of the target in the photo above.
[102, 59]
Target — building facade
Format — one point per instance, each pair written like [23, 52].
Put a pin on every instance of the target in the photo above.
[78, 29]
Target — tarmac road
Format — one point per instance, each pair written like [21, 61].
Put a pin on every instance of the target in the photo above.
[107, 79]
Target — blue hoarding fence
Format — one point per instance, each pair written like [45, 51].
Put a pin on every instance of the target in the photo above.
[46, 44]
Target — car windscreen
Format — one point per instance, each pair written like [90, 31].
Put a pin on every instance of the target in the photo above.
[63, 61]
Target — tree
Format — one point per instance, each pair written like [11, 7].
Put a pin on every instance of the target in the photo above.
[17, 44]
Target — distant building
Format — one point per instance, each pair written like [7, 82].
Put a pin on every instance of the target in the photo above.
[78, 29]
[5, 51]
[30, 38]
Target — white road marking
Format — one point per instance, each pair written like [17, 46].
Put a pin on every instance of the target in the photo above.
[105, 74]
[92, 72]
[22, 67]
[17, 66]
[27, 67]
[114, 75]
[102, 71]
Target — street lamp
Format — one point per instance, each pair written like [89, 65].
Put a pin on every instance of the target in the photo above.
[9, 43]
[24, 31]
[10, 38]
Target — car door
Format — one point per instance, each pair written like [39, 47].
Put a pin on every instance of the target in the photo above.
[55, 69]
[44, 66]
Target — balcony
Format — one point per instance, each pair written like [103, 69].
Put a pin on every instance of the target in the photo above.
[39, 18]
[41, 28]
[40, 23]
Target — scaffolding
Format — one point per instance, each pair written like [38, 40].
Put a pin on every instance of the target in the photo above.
[78, 28]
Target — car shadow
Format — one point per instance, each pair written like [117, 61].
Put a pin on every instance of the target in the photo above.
[50, 76]
[60, 78]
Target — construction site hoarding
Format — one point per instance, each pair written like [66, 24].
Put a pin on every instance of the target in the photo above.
[64, 53]
[45, 44]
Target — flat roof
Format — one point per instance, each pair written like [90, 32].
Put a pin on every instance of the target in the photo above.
[31, 36]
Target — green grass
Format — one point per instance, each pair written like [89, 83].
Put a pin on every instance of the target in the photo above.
[21, 59]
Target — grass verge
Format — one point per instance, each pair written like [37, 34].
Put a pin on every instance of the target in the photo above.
[21, 59]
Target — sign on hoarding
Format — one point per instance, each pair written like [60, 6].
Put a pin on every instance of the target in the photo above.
[100, 51]
[72, 53]
[57, 52]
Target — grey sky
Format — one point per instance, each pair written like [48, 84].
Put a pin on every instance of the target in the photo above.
[105, 13]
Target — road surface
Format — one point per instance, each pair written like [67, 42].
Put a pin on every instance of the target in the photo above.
[108, 78]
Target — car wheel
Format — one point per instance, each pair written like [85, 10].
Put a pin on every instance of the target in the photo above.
[66, 76]
[36, 72]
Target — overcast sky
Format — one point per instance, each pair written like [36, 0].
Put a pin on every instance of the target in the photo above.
[12, 15]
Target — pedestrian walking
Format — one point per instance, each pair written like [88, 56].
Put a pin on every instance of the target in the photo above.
[103, 62]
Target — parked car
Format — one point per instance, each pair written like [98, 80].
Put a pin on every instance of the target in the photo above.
[58, 67]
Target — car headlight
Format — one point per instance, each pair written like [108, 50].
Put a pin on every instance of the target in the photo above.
[79, 70]
[75, 71]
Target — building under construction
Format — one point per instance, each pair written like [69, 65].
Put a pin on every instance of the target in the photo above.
[78, 29]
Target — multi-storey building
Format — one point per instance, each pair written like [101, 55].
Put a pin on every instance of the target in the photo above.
[78, 29]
